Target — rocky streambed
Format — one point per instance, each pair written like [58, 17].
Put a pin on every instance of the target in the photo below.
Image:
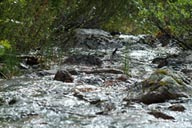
[120, 81]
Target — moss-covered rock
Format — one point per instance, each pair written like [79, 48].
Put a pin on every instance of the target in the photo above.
[164, 85]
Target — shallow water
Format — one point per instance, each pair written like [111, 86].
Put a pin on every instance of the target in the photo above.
[47, 103]
[93, 100]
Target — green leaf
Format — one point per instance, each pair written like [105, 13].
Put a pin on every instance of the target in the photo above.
[5, 43]
[2, 50]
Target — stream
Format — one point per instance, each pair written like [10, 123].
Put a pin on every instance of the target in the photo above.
[96, 97]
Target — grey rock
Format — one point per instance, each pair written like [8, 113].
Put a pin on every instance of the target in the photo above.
[164, 85]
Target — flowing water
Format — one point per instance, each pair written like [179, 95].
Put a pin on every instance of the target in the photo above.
[92, 100]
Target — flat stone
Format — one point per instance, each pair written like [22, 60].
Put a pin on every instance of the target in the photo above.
[158, 114]
[177, 107]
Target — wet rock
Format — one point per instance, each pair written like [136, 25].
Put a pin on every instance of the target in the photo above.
[12, 101]
[92, 80]
[30, 60]
[106, 107]
[123, 77]
[164, 85]
[85, 88]
[177, 107]
[108, 83]
[115, 33]
[63, 76]
[73, 72]
[103, 70]
[161, 62]
[150, 40]
[188, 58]
[159, 97]
[158, 114]
[91, 60]
[188, 72]
[95, 39]
[170, 60]
[45, 73]
[164, 36]
[2, 101]
[79, 95]
[85, 97]
[89, 94]
[176, 61]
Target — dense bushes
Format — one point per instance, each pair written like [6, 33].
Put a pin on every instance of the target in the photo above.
[170, 16]
[103, 14]
[31, 24]
[28, 24]
[25, 23]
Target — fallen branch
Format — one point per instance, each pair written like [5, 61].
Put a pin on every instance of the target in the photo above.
[107, 70]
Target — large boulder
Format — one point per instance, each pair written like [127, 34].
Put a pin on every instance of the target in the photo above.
[95, 39]
[90, 60]
[164, 85]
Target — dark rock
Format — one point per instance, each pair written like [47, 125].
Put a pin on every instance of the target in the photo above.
[160, 96]
[32, 60]
[93, 81]
[161, 62]
[187, 72]
[63, 76]
[91, 60]
[79, 95]
[123, 78]
[2, 101]
[12, 101]
[150, 40]
[44, 73]
[164, 36]
[106, 107]
[73, 72]
[161, 115]
[103, 70]
[114, 33]
[82, 96]
[95, 39]
[178, 107]
[164, 85]
[166, 61]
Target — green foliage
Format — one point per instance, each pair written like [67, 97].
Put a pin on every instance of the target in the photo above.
[8, 61]
[31, 24]
[126, 61]
[2, 50]
[108, 15]
[161, 72]
[27, 24]
[172, 14]
[9, 67]
[4, 45]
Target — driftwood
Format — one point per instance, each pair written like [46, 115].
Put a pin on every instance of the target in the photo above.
[93, 71]
[104, 70]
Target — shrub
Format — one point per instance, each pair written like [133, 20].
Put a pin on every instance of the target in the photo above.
[172, 14]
